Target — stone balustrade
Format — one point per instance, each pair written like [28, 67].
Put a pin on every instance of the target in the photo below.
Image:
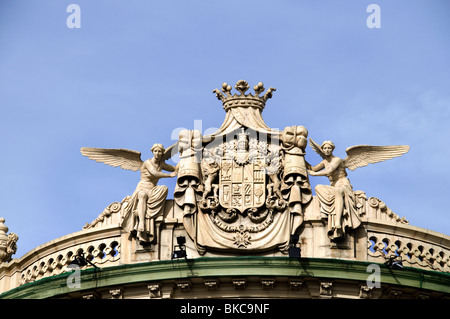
[416, 247]
[100, 246]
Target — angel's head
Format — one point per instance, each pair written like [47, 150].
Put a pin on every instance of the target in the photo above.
[327, 147]
[158, 150]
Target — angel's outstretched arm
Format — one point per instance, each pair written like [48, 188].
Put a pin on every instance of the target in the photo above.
[316, 168]
[328, 170]
[156, 173]
[168, 167]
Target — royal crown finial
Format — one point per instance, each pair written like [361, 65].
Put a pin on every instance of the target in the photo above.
[242, 100]
[242, 86]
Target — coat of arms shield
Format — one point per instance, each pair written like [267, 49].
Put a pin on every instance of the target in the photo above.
[242, 184]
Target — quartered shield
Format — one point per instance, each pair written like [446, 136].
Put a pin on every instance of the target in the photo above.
[242, 185]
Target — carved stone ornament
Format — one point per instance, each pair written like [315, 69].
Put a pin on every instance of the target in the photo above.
[326, 288]
[295, 284]
[184, 286]
[212, 284]
[338, 200]
[8, 242]
[239, 283]
[365, 292]
[111, 209]
[154, 290]
[244, 187]
[116, 293]
[147, 201]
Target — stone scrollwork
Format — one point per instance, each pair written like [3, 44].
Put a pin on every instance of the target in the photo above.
[113, 208]
[379, 205]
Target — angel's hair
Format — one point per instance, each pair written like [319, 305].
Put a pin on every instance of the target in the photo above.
[329, 143]
[156, 145]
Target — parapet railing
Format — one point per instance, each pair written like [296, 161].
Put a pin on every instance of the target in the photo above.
[100, 246]
[389, 236]
[414, 246]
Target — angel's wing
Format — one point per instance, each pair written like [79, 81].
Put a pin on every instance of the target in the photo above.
[363, 155]
[316, 147]
[126, 159]
[170, 151]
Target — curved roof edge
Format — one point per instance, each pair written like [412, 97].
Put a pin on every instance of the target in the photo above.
[206, 267]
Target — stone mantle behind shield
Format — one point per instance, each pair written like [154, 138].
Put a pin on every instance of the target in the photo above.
[382, 234]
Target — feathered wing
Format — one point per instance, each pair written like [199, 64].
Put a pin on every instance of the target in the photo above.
[316, 147]
[363, 155]
[170, 151]
[126, 159]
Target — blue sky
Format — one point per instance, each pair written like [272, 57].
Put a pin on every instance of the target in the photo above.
[137, 70]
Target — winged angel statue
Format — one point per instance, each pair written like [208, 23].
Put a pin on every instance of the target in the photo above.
[338, 200]
[147, 201]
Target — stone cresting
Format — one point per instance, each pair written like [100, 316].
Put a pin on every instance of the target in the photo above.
[241, 191]
[106, 217]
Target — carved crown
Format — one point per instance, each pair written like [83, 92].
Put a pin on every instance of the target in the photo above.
[242, 100]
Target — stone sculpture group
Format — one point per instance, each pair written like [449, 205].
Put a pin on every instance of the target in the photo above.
[245, 187]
